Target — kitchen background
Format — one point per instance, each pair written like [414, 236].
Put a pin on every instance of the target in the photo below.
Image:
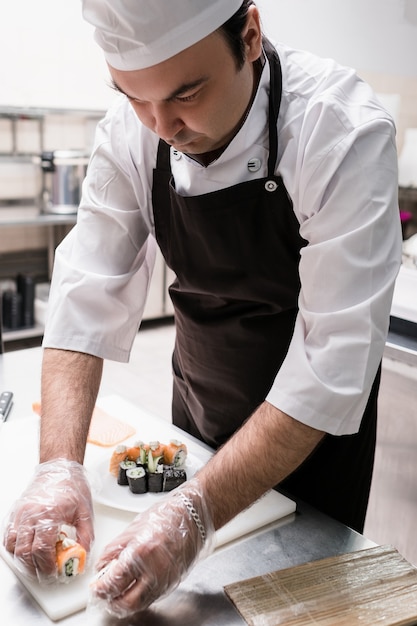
[54, 89]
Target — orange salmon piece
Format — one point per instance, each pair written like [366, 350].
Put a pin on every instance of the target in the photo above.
[70, 557]
[105, 430]
[118, 455]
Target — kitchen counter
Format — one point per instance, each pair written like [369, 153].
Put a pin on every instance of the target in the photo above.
[31, 215]
[301, 537]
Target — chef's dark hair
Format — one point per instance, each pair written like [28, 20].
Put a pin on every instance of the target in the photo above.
[232, 31]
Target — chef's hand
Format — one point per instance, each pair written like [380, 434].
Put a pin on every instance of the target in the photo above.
[155, 552]
[58, 494]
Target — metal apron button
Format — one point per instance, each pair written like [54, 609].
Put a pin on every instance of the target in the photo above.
[271, 185]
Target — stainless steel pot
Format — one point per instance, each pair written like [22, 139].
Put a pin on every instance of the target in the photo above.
[63, 175]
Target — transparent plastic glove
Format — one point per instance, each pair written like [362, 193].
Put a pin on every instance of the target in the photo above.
[59, 494]
[155, 552]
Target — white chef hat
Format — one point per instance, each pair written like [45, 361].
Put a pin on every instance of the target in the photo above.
[135, 34]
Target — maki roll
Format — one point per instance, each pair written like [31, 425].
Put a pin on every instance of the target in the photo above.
[143, 455]
[155, 459]
[175, 453]
[137, 452]
[70, 555]
[137, 479]
[155, 454]
[153, 467]
[155, 482]
[156, 476]
[173, 477]
[119, 454]
[123, 467]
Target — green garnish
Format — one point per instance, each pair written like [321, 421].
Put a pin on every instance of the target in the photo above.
[153, 462]
[69, 567]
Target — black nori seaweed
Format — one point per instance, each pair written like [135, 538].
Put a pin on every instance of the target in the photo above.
[173, 478]
[137, 484]
[123, 467]
[155, 480]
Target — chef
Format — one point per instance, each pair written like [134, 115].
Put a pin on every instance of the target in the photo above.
[268, 179]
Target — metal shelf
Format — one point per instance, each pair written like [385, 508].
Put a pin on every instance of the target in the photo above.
[16, 216]
[39, 115]
[12, 112]
[17, 157]
[22, 333]
[33, 216]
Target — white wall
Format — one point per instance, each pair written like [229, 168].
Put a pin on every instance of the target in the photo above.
[369, 35]
[48, 57]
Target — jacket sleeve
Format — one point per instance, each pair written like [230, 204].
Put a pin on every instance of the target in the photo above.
[345, 196]
[103, 268]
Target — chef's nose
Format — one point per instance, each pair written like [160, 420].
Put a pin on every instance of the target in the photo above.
[166, 121]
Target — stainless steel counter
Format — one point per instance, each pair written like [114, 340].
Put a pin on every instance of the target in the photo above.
[200, 600]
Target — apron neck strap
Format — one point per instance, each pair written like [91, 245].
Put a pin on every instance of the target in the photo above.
[275, 92]
[163, 157]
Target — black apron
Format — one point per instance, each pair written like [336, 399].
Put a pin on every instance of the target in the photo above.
[235, 254]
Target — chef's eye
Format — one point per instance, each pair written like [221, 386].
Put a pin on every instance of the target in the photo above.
[188, 98]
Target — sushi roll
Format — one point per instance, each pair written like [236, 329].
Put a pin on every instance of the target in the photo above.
[175, 453]
[173, 477]
[156, 476]
[123, 467]
[155, 455]
[137, 452]
[143, 455]
[70, 556]
[137, 479]
[155, 450]
[119, 454]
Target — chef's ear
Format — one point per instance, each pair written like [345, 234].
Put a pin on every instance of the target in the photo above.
[252, 34]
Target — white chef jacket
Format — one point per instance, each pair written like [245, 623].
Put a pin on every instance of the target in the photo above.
[338, 161]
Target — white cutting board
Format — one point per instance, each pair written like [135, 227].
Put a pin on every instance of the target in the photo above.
[19, 438]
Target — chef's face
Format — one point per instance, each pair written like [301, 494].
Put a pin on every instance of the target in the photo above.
[197, 99]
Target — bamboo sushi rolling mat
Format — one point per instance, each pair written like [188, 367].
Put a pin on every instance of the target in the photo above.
[372, 587]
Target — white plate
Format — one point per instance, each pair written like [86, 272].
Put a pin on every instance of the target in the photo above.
[107, 491]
